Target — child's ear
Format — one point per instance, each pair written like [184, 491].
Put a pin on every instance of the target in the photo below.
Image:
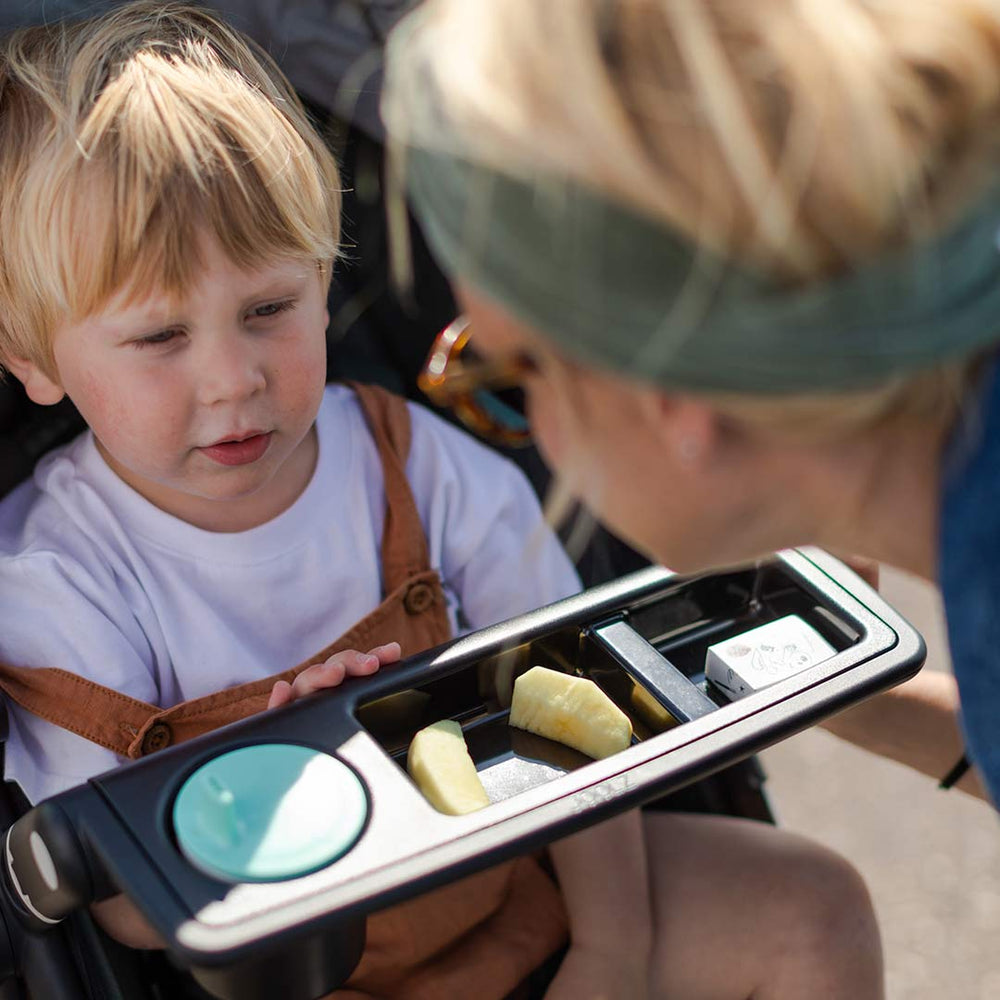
[40, 387]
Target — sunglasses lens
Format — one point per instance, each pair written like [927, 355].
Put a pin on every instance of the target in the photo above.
[505, 408]
[485, 395]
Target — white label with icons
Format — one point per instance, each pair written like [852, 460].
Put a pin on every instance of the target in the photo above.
[765, 655]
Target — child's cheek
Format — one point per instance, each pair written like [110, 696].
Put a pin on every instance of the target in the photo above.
[105, 402]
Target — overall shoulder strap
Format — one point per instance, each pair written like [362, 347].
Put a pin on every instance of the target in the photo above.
[97, 713]
[404, 544]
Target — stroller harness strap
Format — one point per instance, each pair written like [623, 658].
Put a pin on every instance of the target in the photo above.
[480, 936]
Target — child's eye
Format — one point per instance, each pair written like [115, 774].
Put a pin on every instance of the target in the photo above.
[157, 339]
[271, 309]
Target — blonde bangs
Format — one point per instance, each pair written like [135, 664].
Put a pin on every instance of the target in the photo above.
[132, 168]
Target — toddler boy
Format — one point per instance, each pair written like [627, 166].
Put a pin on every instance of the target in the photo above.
[168, 224]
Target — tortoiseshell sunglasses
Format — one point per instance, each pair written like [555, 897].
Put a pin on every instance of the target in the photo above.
[485, 394]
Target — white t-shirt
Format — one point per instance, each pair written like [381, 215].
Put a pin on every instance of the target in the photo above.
[96, 580]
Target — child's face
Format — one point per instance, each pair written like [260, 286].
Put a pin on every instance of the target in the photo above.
[205, 405]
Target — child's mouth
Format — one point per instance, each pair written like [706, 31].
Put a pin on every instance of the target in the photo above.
[241, 452]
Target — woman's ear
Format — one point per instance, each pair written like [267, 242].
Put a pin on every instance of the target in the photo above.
[40, 387]
[686, 427]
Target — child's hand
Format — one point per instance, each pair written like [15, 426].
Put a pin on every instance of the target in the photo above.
[331, 673]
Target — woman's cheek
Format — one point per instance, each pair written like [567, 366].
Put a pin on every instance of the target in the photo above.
[546, 430]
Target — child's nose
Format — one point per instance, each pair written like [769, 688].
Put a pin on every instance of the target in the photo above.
[229, 371]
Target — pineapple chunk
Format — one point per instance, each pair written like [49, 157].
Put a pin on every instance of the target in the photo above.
[650, 710]
[570, 710]
[439, 762]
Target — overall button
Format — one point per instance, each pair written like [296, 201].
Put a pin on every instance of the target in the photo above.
[418, 598]
[157, 737]
[269, 811]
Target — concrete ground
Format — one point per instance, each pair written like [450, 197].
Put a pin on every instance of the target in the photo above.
[931, 858]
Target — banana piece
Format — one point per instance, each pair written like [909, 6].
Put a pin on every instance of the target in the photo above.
[439, 762]
[570, 710]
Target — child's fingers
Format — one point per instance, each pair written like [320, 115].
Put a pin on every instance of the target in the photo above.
[281, 694]
[331, 673]
[388, 653]
[319, 676]
[360, 664]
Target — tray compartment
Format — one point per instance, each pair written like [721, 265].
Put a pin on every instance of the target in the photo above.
[654, 674]
[478, 696]
[682, 625]
[649, 658]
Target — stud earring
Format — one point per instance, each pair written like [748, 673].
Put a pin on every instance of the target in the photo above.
[688, 451]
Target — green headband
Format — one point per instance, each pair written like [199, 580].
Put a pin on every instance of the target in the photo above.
[621, 290]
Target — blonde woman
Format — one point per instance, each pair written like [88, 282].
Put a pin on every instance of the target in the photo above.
[743, 257]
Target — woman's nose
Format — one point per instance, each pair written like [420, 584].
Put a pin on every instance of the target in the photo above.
[230, 370]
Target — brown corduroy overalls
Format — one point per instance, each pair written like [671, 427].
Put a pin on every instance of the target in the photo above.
[478, 937]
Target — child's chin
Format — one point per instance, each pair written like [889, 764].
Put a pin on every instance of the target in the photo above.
[230, 487]
[251, 485]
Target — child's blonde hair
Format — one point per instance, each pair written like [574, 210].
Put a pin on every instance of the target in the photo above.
[122, 138]
[799, 136]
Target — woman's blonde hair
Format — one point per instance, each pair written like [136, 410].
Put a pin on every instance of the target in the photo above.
[122, 139]
[798, 136]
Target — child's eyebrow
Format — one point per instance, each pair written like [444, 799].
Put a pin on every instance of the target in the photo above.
[128, 327]
[276, 288]
[157, 308]
[276, 283]
[126, 315]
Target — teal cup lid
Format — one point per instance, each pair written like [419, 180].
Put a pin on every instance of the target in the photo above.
[268, 812]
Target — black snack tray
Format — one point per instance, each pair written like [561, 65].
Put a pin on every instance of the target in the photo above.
[642, 639]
